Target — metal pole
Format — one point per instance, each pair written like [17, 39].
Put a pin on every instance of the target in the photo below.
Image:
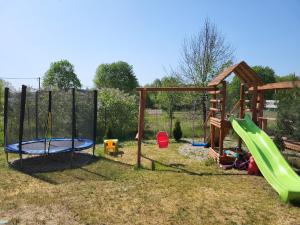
[73, 124]
[95, 120]
[39, 79]
[6, 92]
[36, 114]
[21, 127]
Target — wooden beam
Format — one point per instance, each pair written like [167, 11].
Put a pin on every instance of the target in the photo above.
[175, 89]
[278, 86]
[143, 94]
[254, 104]
[242, 109]
[260, 107]
[222, 128]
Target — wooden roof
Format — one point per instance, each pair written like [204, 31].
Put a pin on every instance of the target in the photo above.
[279, 85]
[242, 70]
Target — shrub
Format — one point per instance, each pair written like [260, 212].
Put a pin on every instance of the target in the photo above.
[117, 111]
[288, 116]
[109, 134]
[177, 132]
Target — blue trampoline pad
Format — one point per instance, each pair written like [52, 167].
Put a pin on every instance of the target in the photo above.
[49, 146]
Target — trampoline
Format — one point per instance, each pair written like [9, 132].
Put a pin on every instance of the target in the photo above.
[49, 122]
[55, 145]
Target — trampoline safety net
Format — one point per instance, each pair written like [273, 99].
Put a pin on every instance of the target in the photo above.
[53, 122]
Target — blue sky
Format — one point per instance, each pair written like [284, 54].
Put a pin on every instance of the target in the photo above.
[147, 34]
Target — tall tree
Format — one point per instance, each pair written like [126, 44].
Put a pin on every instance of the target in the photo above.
[203, 56]
[116, 75]
[61, 76]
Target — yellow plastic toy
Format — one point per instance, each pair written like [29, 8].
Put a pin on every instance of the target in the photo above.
[111, 146]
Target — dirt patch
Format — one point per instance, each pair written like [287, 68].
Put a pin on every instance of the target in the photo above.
[193, 152]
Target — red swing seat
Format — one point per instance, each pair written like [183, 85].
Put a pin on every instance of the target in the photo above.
[162, 139]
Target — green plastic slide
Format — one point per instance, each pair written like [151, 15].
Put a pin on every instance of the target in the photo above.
[269, 160]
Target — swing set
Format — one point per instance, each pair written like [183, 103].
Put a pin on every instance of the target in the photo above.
[162, 137]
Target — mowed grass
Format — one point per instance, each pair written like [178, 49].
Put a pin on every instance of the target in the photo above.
[191, 125]
[108, 190]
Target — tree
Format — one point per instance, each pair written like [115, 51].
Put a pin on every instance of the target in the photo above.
[117, 112]
[177, 132]
[116, 75]
[267, 75]
[203, 56]
[2, 84]
[290, 77]
[288, 116]
[61, 76]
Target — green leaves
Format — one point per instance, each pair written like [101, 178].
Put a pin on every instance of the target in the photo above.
[116, 75]
[118, 111]
[61, 76]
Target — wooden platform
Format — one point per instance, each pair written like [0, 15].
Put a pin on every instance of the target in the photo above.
[292, 145]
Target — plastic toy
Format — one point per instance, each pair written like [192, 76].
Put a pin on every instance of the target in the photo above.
[162, 139]
[111, 146]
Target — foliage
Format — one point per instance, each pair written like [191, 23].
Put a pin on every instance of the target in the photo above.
[169, 101]
[288, 116]
[61, 76]
[233, 92]
[151, 97]
[109, 134]
[116, 75]
[267, 75]
[1, 112]
[177, 132]
[117, 111]
[203, 56]
[289, 77]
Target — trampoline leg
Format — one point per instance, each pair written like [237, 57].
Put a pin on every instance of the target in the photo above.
[72, 155]
[21, 161]
[6, 154]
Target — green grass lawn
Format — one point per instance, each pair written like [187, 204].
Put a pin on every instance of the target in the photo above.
[161, 121]
[108, 190]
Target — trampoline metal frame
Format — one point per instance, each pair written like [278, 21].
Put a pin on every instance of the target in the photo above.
[21, 124]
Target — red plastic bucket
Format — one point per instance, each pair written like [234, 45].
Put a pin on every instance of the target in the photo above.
[162, 139]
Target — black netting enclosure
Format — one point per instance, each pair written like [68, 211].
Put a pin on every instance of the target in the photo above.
[48, 122]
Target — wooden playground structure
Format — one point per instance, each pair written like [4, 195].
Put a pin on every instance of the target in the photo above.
[251, 100]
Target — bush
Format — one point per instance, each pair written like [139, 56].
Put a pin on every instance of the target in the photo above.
[177, 132]
[118, 112]
[109, 134]
[288, 116]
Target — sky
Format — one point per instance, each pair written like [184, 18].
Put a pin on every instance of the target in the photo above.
[148, 34]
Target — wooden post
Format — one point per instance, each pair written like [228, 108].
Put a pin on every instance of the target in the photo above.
[264, 124]
[254, 104]
[222, 128]
[242, 109]
[212, 127]
[260, 107]
[141, 125]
